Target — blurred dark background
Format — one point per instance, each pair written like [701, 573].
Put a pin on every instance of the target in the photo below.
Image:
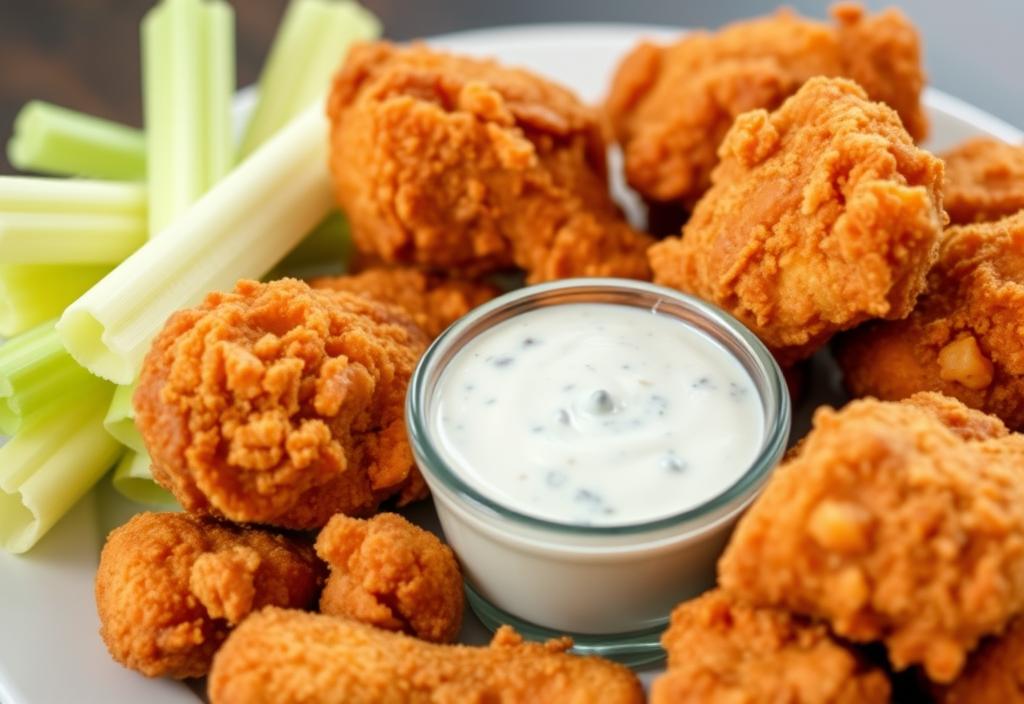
[85, 53]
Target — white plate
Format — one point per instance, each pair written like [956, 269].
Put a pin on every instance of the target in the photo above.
[49, 648]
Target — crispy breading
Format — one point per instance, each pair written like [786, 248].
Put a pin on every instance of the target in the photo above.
[388, 573]
[822, 215]
[458, 163]
[282, 405]
[670, 105]
[287, 657]
[898, 522]
[994, 672]
[721, 651]
[171, 586]
[984, 180]
[964, 337]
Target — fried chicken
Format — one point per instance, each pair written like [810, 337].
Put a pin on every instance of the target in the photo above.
[320, 659]
[671, 105]
[434, 301]
[964, 337]
[388, 573]
[171, 586]
[723, 651]
[458, 163]
[984, 180]
[994, 673]
[281, 405]
[898, 522]
[822, 215]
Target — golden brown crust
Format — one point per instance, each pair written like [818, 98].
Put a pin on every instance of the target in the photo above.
[459, 163]
[984, 180]
[994, 673]
[899, 522]
[388, 573]
[671, 105]
[434, 301]
[287, 657]
[170, 587]
[282, 405]
[975, 294]
[721, 651]
[823, 214]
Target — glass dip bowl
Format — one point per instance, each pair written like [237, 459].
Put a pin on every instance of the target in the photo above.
[610, 587]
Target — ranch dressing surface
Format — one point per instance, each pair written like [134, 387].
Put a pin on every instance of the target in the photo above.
[597, 414]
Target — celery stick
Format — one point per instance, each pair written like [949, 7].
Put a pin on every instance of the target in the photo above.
[133, 480]
[326, 250]
[54, 140]
[51, 464]
[66, 238]
[307, 49]
[241, 228]
[31, 194]
[120, 420]
[32, 293]
[218, 74]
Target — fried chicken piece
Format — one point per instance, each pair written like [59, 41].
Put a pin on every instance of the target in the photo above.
[984, 180]
[282, 405]
[388, 573]
[320, 659]
[963, 338]
[458, 163]
[671, 105]
[723, 651]
[434, 301]
[899, 522]
[171, 586]
[822, 215]
[994, 673]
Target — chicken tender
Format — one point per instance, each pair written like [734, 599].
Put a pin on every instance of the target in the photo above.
[898, 522]
[391, 574]
[281, 405]
[984, 180]
[434, 301]
[723, 651]
[994, 673]
[671, 105]
[963, 338]
[462, 164]
[320, 659]
[822, 215]
[171, 586]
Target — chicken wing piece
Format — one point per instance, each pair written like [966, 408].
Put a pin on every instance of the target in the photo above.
[994, 672]
[984, 181]
[318, 659]
[458, 163]
[281, 405]
[671, 105]
[171, 586]
[721, 651]
[822, 215]
[963, 338]
[895, 522]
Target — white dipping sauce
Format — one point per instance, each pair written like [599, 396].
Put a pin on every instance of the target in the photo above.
[597, 414]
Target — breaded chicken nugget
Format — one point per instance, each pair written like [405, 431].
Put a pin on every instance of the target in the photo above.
[434, 301]
[965, 336]
[994, 672]
[287, 657]
[458, 163]
[282, 405]
[822, 215]
[671, 105]
[898, 522]
[984, 180]
[388, 573]
[171, 586]
[721, 651]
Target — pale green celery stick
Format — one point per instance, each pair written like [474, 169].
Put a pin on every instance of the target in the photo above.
[245, 224]
[35, 374]
[51, 464]
[32, 194]
[120, 420]
[307, 50]
[33, 293]
[134, 481]
[218, 73]
[328, 249]
[66, 238]
[54, 140]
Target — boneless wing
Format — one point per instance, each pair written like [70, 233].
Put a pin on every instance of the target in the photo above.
[984, 180]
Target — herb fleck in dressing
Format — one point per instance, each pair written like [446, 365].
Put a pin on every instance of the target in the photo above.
[598, 414]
